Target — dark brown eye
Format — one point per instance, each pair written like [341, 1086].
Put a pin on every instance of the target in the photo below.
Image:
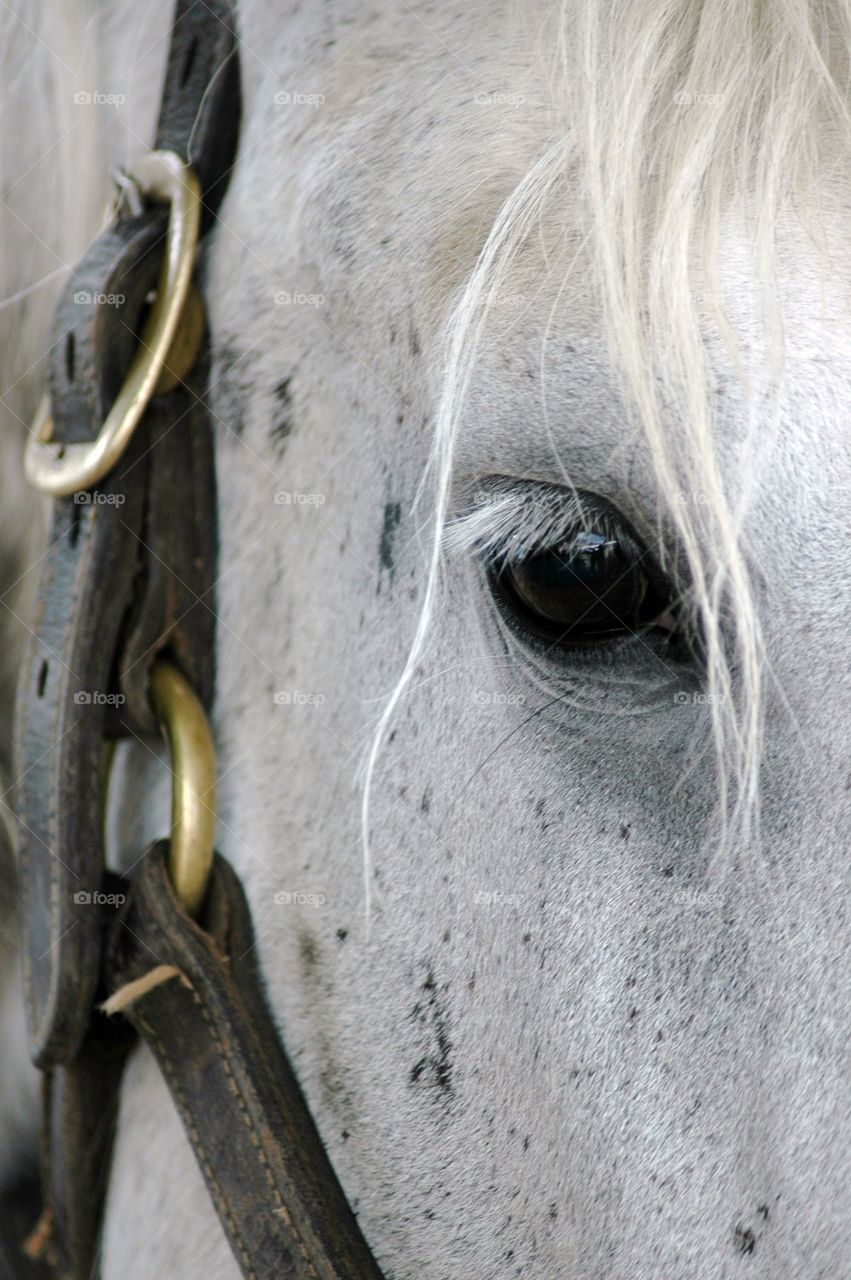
[592, 586]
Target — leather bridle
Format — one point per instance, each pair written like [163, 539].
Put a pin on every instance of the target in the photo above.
[122, 647]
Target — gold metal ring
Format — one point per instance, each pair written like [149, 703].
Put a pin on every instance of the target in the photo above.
[193, 798]
[62, 469]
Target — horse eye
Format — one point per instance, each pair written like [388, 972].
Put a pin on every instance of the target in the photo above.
[594, 585]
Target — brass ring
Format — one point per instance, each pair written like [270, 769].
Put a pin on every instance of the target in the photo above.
[193, 797]
[62, 469]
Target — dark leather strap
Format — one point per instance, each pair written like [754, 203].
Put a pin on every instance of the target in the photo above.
[200, 107]
[79, 1114]
[126, 564]
[209, 1027]
[128, 573]
[66, 678]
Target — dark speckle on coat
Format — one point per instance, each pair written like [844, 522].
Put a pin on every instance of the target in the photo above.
[433, 1069]
[282, 423]
[392, 517]
[744, 1240]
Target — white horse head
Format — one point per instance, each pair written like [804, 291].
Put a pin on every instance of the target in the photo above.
[550, 897]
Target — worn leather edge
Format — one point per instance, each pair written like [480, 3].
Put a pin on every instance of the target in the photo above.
[210, 1029]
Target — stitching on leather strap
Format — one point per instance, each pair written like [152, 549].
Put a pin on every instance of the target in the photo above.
[158, 939]
[248, 1122]
[237, 1240]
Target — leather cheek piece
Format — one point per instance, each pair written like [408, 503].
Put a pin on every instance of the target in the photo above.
[201, 103]
[61, 721]
[129, 573]
[211, 1032]
[130, 568]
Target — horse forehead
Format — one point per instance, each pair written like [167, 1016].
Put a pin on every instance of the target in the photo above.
[418, 176]
[398, 115]
[356, 48]
[384, 171]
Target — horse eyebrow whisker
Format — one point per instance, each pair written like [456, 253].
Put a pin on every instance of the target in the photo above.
[512, 518]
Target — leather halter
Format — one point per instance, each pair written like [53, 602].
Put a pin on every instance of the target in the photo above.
[125, 610]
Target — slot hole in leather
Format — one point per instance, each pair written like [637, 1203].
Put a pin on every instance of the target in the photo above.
[70, 356]
[42, 678]
[74, 528]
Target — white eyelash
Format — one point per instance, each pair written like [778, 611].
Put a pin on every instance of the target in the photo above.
[512, 521]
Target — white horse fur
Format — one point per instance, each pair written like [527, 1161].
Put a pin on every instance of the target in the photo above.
[564, 967]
